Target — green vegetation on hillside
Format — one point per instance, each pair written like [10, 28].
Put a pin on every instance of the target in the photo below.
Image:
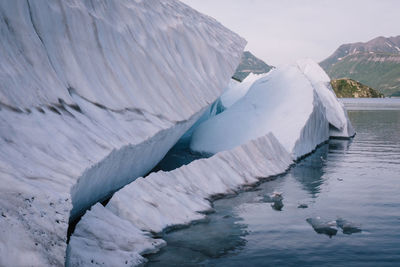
[381, 71]
[375, 63]
[349, 88]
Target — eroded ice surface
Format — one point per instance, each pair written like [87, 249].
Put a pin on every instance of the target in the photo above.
[166, 199]
[92, 95]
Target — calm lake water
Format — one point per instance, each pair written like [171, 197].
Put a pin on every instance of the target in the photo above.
[357, 180]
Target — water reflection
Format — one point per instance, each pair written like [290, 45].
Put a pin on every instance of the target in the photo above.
[309, 172]
[339, 144]
[346, 183]
[223, 233]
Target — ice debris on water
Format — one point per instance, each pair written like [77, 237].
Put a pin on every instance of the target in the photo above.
[276, 199]
[328, 228]
[277, 205]
[348, 227]
[275, 196]
[302, 206]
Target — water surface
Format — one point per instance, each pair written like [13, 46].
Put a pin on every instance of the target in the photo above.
[358, 180]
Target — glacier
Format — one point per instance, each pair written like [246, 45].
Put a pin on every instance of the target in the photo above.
[293, 102]
[93, 94]
[167, 199]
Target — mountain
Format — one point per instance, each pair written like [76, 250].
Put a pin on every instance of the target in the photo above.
[375, 63]
[350, 88]
[250, 64]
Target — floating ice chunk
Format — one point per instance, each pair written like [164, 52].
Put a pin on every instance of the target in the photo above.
[348, 227]
[322, 227]
[276, 199]
[277, 205]
[283, 102]
[302, 206]
[275, 196]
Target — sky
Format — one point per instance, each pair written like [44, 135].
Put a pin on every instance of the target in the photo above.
[282, 31]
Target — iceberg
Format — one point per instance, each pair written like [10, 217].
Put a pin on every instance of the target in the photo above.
[93, 94]
[283, 102]
[236, 90]
[166, 199]
[294, 102]
[336, 114]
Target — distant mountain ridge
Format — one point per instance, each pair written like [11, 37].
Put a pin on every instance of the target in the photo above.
[250, 64]
[352, 89]
[375, 63]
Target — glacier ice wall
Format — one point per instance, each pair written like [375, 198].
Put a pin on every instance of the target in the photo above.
[92, 95]
[166, 199]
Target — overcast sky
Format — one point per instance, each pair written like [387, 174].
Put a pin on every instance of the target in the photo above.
[281, 31]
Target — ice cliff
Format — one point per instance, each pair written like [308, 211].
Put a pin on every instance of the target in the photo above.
[92, 96]
[294, 102]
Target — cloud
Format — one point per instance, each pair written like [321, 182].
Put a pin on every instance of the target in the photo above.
[281, 31]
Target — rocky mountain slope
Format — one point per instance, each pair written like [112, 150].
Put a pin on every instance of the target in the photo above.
[349, 88]
[250, 64]
[375, 63]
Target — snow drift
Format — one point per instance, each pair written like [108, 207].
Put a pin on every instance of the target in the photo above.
[93, 94]
[293, 102]
[166, 199]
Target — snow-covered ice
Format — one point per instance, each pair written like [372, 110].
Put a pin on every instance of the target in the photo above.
[93, 94]
[166, 199]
